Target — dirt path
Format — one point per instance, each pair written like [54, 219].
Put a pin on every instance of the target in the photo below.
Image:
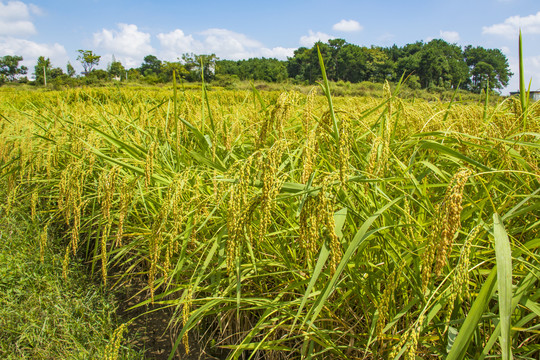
[149, 329]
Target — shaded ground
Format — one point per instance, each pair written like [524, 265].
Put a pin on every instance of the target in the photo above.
[149, 329]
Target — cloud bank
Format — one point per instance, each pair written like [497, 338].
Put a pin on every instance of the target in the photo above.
[509, 28]
[313, 37]
[347, 26]
[16, 27]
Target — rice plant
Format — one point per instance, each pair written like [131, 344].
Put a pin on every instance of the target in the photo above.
[291, 225]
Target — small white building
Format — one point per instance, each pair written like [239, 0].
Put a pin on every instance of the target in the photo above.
[533, 95]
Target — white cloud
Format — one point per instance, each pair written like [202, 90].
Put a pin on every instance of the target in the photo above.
[450, 36]
[31, 50]
[226, 44]
[16, 24]
[15, 19]
[36, 10]
[128, 44]
[17, 28]
[176, 43]
[279, 52]
[347, 26]
[510, 27]
[386, 37]
[14, 10]
[312, 38]
[531, 65]
[230, 45]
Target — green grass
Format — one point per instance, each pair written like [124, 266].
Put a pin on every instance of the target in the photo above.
[42, 316]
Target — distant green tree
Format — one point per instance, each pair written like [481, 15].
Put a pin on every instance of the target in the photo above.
[42, 70]
[10, 69]
[88, 60]
[167, 69]
[98, 74]
[441, 64]
[228, 67]
[304, 65]
[195, 64]
[379, 66]
[56, 73]
[296, 65]
[487, 66]
[151, 65]
[352, 63]
[70, 70]
[270, 70]
[333, 69]
[116, 69]
[133, 74]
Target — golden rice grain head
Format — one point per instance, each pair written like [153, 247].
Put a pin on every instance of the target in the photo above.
[450, 217]
[325, 217]
[345, 144]
[413, 339]
[309, 156]
[33, 205]
[149, 165]
[459, 287]
[43, 237]
[65, 263]
[307, 119]
[113, 347]
[374, 155]
[308, 230]
[186, 311]
[387, 297]
[104, 237]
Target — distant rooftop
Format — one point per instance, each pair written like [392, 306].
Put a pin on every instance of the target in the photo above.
[533, 95]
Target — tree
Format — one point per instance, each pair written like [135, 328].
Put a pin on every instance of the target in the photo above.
[168, 67]
[151, 65]
[304, 65]
[487, 65]
[379, 66]
[195, 63]
[352, 63]
[42, 70]
[116, 69]
[9, 67]
[88, 60]
[70, 70]
[441, 64]
[333, 69]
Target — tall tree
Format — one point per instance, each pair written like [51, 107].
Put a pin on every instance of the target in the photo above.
[441, 64]
[9, 67]
[151, 65]
[116, 69]
[379, 66]
[88, 60]
[487, 66]
[168, 67]
[42, 70]
[70, 70]
[197, 63]
[352, 63]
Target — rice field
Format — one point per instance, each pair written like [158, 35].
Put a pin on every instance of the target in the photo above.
[286, 225]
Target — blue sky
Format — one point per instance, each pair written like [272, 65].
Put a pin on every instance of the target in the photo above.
[236, 29]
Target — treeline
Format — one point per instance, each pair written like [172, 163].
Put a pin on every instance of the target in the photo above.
[435, 64]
